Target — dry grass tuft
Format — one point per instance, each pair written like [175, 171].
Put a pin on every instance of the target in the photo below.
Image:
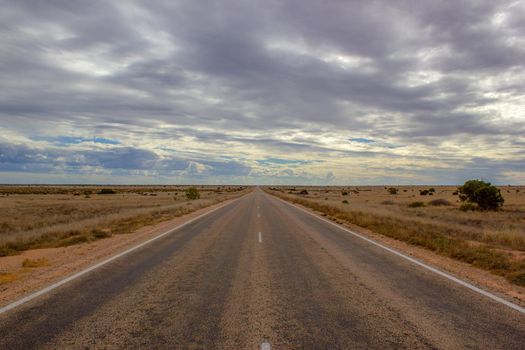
[7, 277]
[416, 205]
[35, 262]
[438, 202]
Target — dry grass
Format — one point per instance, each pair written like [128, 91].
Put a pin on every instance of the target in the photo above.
[53, 216]
[7, 277]
[35, 262]
[493, 241]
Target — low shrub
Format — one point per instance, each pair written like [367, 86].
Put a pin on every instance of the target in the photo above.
[393, 190]
[429, 192]
[387, 202]
[35, 262]
[98, 234]
[517, 278]
[106, 191]
[303, 192]
[467, 207]
[192, 193]
[439, 202]
[486, 258]
[345, 201]
[72, 240]
[416, 205]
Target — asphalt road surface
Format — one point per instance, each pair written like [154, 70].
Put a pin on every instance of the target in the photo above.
[261, 271]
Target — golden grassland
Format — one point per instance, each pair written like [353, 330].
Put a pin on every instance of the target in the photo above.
[493, 241]
[54, 216]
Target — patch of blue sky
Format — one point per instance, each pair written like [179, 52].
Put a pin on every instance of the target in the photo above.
[74, 140]
[370, 141]
[361, 140]
[281, 161]
[104, 141]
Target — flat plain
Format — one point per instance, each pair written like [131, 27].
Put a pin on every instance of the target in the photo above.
[54, 216]
[260, 270]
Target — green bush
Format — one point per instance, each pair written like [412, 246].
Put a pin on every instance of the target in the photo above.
[485, 195]
[416, 205]
[392, 190]
[106, 191]
[192, 193]
[345, 201]
[429, 192]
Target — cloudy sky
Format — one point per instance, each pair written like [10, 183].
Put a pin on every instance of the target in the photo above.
[295, 91]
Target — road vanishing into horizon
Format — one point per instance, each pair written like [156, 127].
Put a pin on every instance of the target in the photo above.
[260, 273]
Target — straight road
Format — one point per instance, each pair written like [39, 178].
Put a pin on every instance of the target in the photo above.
[261, 271]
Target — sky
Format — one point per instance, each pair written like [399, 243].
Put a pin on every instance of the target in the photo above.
[262, 92]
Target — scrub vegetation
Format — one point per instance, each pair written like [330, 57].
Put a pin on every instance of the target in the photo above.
[192, 193]
[55, 216]
[491, 240]
[35, 262]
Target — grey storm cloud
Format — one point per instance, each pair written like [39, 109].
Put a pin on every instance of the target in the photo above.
[409, 71]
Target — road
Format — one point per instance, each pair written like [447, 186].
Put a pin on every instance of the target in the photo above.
[255, 271]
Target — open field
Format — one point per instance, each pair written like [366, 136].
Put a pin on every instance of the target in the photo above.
[54, 216]
[493, 241]
[254, 271]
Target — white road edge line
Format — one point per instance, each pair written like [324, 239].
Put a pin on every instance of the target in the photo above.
[415, 261]
[260, 237]
[104, 262]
